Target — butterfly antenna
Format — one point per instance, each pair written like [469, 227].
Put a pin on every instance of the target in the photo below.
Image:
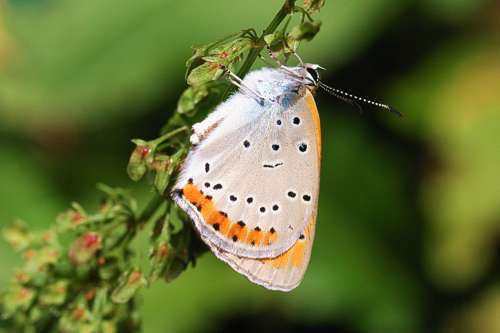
[356, 100]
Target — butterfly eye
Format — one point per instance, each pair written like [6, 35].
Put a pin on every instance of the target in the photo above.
[314, 75]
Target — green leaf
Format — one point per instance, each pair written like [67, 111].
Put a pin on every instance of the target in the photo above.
[210, 61]
[223, 51]
[160, 251]
[137, 164]
[229, 53]
[160, 259]
[196, 59]
[175, 220]
[209, 71]
[163, 172]
[190, 98]
[181, 255]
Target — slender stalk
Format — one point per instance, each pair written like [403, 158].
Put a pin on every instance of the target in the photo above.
[170, 134]
[286, 9]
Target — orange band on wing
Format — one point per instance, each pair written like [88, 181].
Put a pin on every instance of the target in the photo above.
[255, 237]
[238, 232]
[270, 237]
[296, 255]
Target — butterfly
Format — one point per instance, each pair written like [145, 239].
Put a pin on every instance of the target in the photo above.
[250, 182]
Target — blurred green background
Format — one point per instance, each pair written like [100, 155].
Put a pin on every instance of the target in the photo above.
[408, 235]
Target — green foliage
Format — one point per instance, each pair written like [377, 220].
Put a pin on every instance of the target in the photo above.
[407, 232]
[83, 274]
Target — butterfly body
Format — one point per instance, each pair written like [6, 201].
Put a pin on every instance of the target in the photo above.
[251, 180]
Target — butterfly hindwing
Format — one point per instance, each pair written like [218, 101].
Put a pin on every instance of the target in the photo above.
[284, 272]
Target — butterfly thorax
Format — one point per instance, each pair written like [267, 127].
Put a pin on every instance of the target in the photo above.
[278, 86]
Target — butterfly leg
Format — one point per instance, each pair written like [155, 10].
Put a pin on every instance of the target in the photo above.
[238, 82]
[283, 67]
[274, 57]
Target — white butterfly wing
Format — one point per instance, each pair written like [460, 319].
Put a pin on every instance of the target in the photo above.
[251, 184]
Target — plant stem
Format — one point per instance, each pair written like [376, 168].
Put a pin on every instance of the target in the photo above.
[286, 9]
[170, 134]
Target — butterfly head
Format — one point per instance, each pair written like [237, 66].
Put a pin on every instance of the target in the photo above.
[283, 85]
[309, 77]
[307, 74]
[311, 74]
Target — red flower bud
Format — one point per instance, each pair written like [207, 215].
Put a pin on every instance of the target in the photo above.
[85, 247]
[143, 151]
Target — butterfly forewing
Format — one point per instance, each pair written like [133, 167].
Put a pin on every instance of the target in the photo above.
[251, 184]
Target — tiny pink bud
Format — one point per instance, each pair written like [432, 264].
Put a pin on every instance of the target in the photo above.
[29, 254]
[143, 151]
[134, 277]
[91, 240]
[85, 247]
